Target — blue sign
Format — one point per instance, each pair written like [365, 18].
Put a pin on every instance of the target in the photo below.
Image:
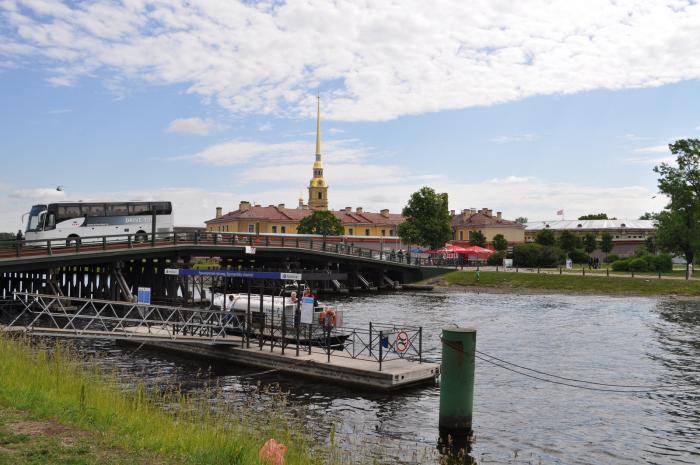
[234, 274]
[144, 295]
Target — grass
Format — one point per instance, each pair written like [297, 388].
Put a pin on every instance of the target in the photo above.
[57, 385]
[574, 283]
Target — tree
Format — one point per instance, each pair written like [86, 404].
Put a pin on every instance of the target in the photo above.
[679, 224]
[521, 220]
[567, 241]
[477, 238]
[499, 242]
[428, 220]
[648, 216]
[650, 244]
[606, 243]
[595, 216]
[589, 242]
[321, 222]
[545, 237]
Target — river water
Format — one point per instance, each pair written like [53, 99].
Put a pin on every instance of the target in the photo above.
[517, 419]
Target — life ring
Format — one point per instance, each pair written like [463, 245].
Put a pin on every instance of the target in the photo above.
[322, 317]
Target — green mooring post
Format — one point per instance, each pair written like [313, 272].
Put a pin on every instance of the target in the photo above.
[457, 386]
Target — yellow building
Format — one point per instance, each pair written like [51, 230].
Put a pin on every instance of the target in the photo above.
[470, 220]
[277, 219]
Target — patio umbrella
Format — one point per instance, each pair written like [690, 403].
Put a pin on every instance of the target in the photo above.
[480, 252]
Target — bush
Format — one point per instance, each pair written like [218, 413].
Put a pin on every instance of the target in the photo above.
[612, 258]
[536, 255]
[496, 259]
[660, 263]
[621, 265]
[578, 256]
[638, 264]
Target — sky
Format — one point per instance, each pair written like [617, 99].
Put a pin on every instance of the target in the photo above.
[521, 107]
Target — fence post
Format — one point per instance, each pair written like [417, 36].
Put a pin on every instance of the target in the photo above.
[584, 271]
[659, 274]
[633, 274]
[607, 272]
[311, 332]
[370, 338]
[457, 385]
[104, 243]
[420, 344]
[48, 247]
[381, 337]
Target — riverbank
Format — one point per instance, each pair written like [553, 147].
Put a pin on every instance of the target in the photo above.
[55, 389]
[544, 282]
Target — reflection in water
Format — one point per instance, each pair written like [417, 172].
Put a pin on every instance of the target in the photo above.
[517, 420]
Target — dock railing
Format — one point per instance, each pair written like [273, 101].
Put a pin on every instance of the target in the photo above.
[61, 316]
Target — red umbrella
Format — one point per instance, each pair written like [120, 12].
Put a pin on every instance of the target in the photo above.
[449, 248]
[480, 252]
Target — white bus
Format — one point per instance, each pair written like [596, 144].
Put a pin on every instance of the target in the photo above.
[73, 221]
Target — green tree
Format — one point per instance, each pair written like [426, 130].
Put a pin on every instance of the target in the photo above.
[321, 222]
[545, 237]
[499, 242]
[477, 238]
[567, 241]
[648, 216]
[650, 244]
[521, 220]
[679, 224]
[589, 242]
[428, 220]
[595, 216]
[606, 243]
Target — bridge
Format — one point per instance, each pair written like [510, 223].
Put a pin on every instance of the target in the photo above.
[115, 266]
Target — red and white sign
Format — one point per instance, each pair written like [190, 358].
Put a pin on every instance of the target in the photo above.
[402, 343]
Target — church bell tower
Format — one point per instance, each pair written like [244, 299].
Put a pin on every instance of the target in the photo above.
[318, 189]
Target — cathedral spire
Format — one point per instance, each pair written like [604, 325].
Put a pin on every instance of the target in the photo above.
[318, 128]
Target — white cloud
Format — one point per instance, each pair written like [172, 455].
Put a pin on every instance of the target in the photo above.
[335, 131]
[515, 138]
[374, 60]
[196, 126]
[59, 111]
[234, 152]
[264, 127]
[648, 160]
[653, 149]
[38, 193]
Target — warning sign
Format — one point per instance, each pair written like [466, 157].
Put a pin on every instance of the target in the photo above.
[402, 343]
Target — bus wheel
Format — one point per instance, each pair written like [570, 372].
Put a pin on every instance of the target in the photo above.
[141, 236]
[72, 240]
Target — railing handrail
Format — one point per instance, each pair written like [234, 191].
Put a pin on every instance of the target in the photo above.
[207, 238]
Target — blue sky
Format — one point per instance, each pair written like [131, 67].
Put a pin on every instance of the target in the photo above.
[523, 111]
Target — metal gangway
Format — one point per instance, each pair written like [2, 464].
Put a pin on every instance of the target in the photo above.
[56, 315]
[61, 316]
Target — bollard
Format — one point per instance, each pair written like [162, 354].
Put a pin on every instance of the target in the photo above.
[457, 387]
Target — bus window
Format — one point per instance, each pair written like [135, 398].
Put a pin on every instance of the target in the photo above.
[94, 209]
[117, 209]
[162, 208]
[68, 211]
[139, 209]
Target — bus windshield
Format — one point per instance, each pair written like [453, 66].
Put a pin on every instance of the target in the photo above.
[35, 217]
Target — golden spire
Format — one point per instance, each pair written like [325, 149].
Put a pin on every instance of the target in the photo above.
[318, 128]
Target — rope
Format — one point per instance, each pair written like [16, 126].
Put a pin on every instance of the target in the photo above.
[629, 389]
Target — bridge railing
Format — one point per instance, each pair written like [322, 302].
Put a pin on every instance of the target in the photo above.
[74, 244]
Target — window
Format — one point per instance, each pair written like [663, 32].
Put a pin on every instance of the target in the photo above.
[117, 209]
[274, 229]
[284, 229]
[383, 232]
[350, 232]
[251, 228]
[66, 212]
[392, 233]
[461, 235]
[320, 195]
[139, 209]
[163, 208]
[366, 232]
[95, 209]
